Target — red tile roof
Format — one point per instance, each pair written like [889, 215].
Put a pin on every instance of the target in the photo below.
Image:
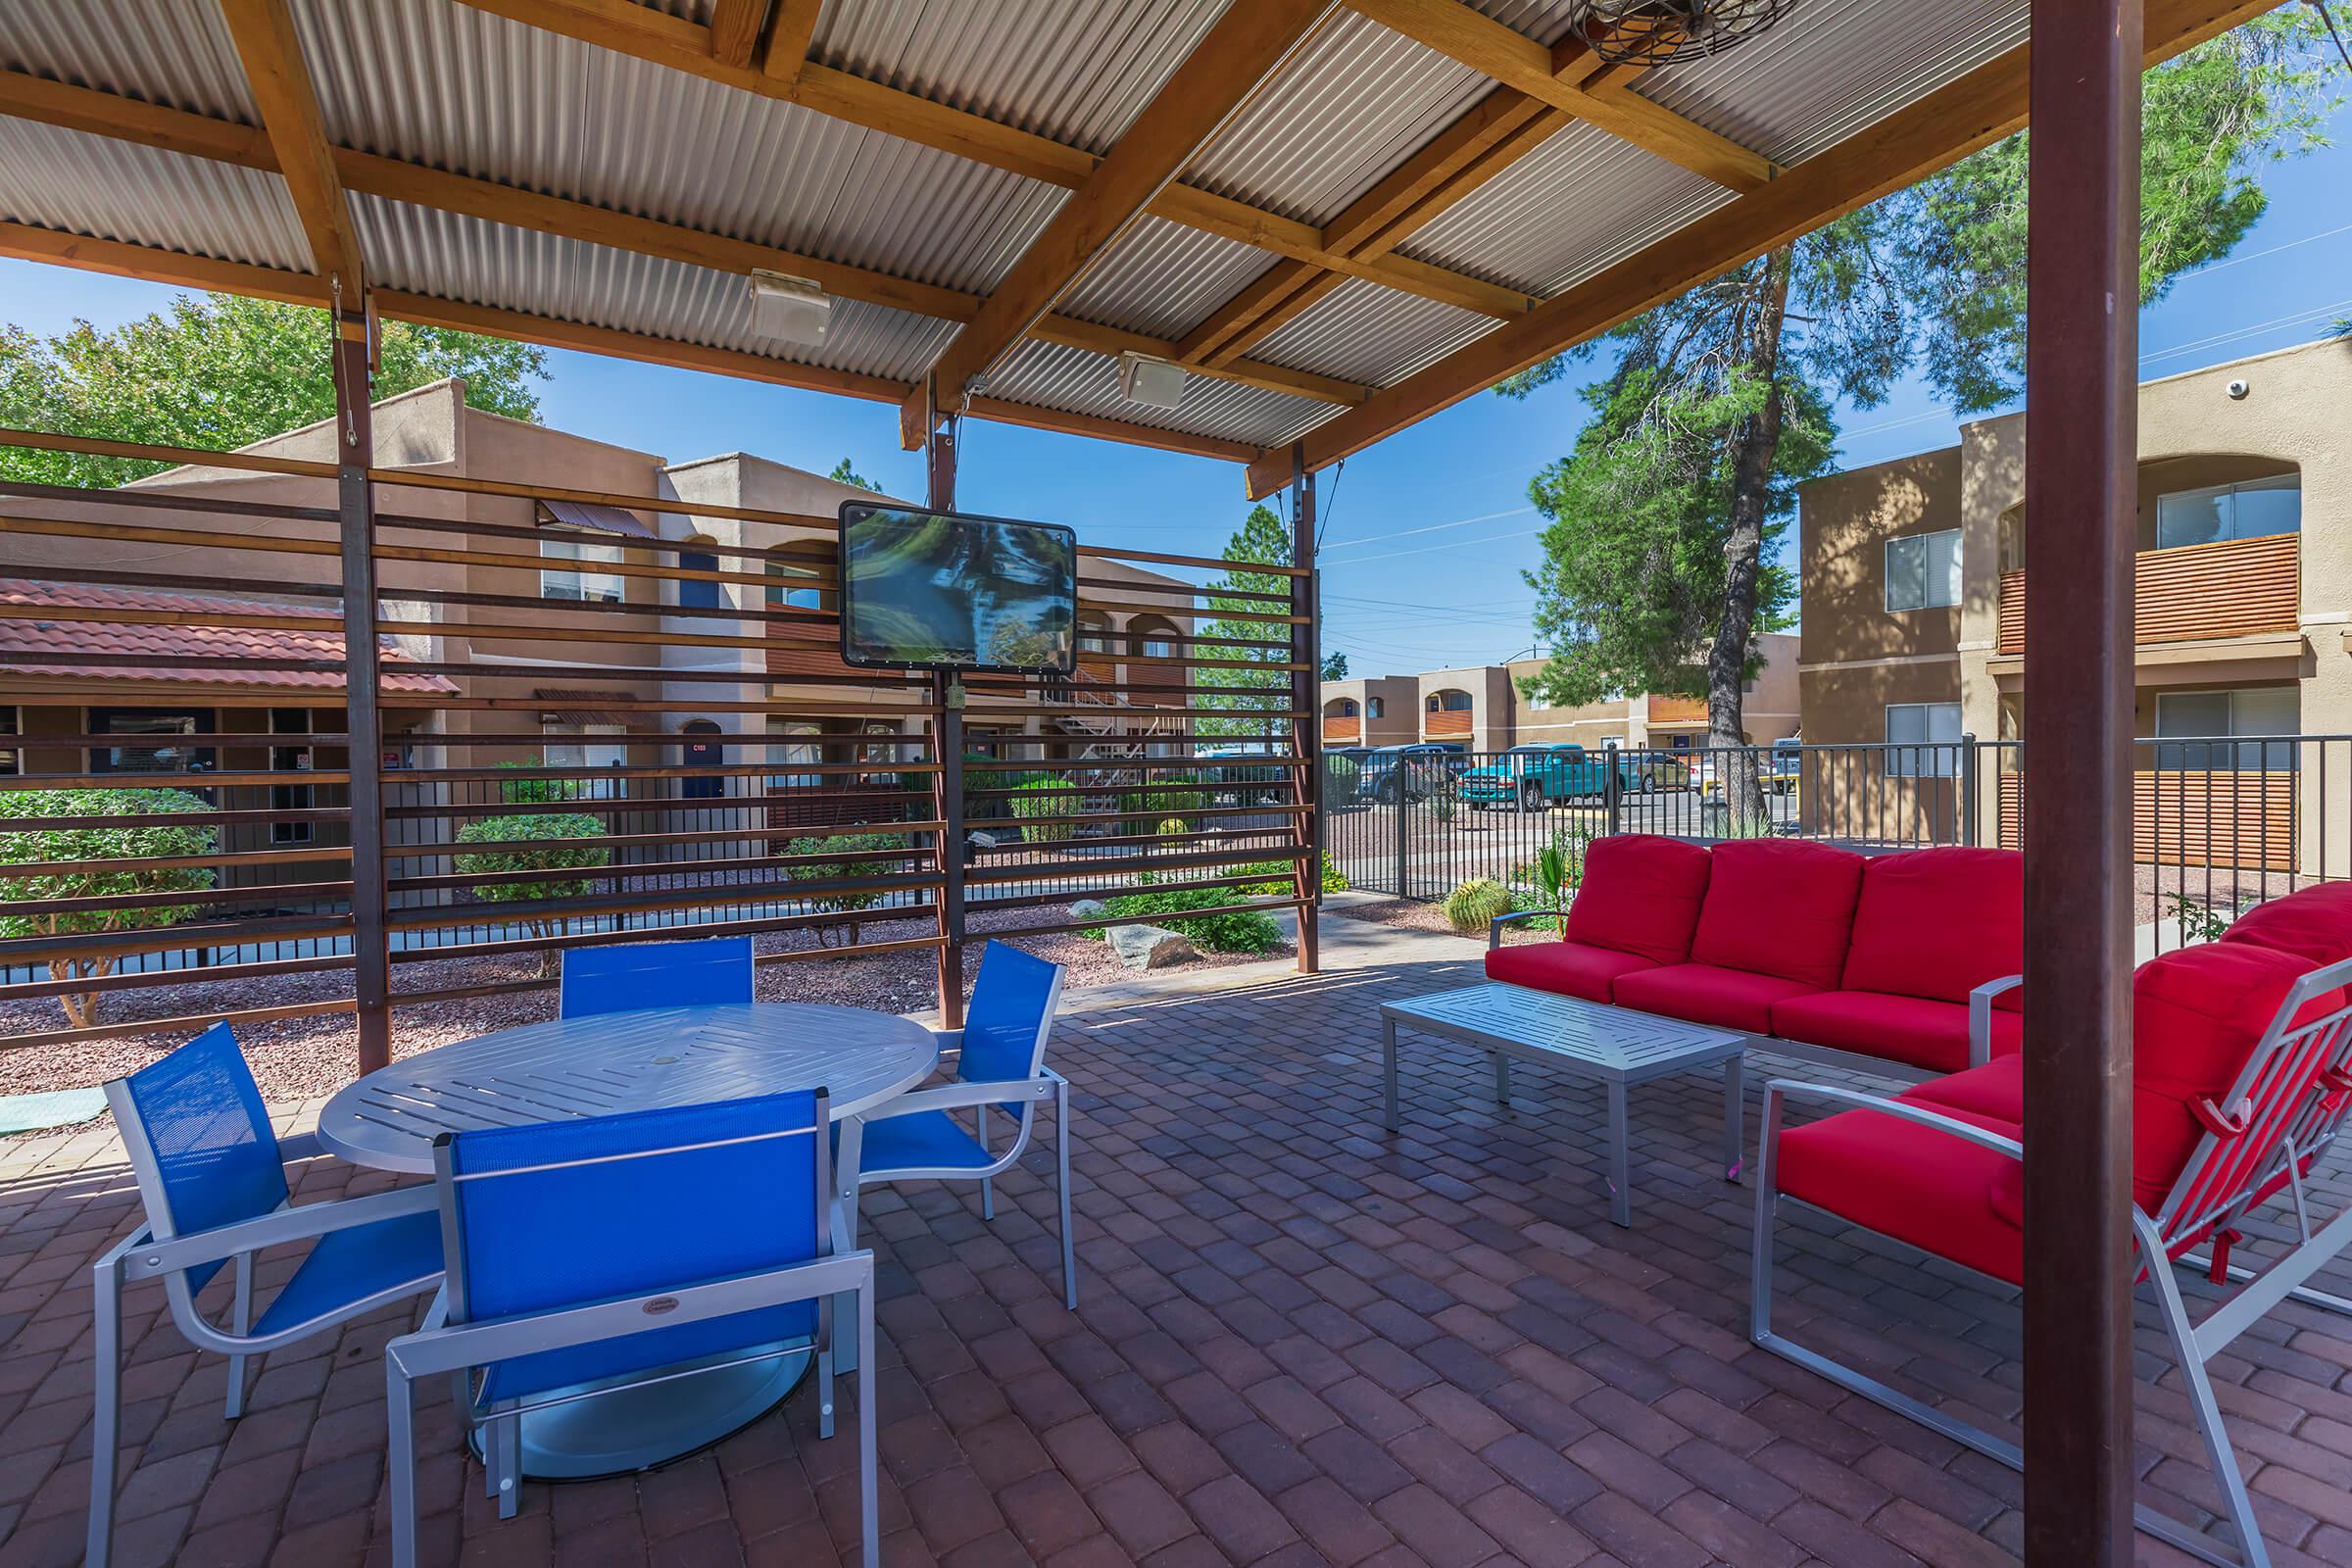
[179, 652]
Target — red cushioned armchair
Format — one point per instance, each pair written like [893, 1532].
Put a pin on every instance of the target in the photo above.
[2242, 1074]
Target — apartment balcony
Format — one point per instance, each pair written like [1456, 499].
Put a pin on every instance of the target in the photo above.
[2235, 588]
[2244, 819]
[1677, 709]
[1338, 731]
[1447, 724]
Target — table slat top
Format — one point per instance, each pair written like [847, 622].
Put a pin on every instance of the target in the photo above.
[1614, 1040]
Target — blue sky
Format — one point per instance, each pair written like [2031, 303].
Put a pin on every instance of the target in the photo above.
[1425, 535]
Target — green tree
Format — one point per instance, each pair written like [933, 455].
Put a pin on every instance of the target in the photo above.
[1666, 515]
[1262, 540]
[84, 852]
[222, 370]
[1335, 666]
[843, 474]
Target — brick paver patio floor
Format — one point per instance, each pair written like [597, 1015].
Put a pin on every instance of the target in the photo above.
[1300, 1340]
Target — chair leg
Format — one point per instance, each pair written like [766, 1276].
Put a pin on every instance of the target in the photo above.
[988, 1187]
[241, 1321]
[824, 1368]
[2218, 1451]
[401, 1438]
[106, 1425]
[1061, 1153]
[869, 1501]
[507, 1436]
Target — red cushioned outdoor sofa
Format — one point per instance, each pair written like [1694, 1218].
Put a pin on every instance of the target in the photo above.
[1908, 960]
[2241, 1076]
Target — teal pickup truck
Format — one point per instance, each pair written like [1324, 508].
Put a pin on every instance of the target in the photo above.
[1532, 777]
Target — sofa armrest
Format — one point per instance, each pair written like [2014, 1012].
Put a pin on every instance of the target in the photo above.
[1979, 1016]
[1496, 925]
[1901, 1109]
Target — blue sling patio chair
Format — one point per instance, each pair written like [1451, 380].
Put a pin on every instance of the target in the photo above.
[1000, 1064]
[212, 1177]
[619, 1252]
[629, 975]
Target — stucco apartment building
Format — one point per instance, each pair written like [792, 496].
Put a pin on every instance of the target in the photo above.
[1482, 708]
[583, 691]
[1914, 592]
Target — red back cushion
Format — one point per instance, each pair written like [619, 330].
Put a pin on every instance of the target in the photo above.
[2314, 923]
[1641, 895]
[1938, 923]
[2196, 1016]
[1780, 906]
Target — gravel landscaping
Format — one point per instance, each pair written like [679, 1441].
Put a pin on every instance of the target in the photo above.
[296, 1058]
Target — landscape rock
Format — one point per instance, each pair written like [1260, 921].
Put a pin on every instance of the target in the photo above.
[1089, 910]
[1150, 947]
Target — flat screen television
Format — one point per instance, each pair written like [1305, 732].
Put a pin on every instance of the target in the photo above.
[945, 590]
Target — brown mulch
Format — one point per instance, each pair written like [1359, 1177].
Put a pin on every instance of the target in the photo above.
[297, 1058]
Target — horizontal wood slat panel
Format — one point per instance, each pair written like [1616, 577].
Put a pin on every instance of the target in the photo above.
[1678, 710]
[1449, 723]
[2242, 820]
[2235, 588]
[1343, 731]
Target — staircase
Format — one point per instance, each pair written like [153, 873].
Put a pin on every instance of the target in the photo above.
[1117, 735]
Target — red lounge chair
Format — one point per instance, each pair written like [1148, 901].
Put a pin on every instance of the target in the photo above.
[2242, 1074]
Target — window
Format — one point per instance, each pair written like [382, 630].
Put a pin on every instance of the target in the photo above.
[793, 746]
[150, 758]
[12, 760]
[573, 581]
[580, 746]
[2254, 509]
[696, 595]
[1923, 570]
[790, 590]
[1375, 708]
[1449, 701]
[1093, 638]
[290, 760]
[1159, 645]
[1342, 708]
[2188, 724]
[1923, 740]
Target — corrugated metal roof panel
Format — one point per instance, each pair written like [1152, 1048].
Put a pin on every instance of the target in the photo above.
[435, 83]
[1354, 103]
[1833, 68]
[119, 190]
[1047, 376]
[411, 249]
[1076, 71]
[173, 52]
[1162, 278]
[1605, 199]
[1364, 332]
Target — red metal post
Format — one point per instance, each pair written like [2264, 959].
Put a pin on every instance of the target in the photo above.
[946, 733]
[354, 452]
[2082, 449]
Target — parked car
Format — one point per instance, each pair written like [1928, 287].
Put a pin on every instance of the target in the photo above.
[1782, 767]
[1532, 777]
[1416, 771]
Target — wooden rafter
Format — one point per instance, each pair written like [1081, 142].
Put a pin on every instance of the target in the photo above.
[1248, 44]
[1486, 45]
[1972, 113]
[735, 29]
[642, 32]
[271, 55]
[788, 39]
[366, 173]
[29, 242]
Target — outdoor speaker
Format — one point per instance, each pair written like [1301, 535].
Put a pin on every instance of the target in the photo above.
[791, 308]
[1155, 383]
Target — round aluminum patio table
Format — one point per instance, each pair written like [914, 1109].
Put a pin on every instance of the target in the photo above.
[619, 1061]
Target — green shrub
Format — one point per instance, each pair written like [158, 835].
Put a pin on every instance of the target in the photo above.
[536, 791]
[1478, 901]
[1037, 803]
[1176, 794]
[845, 844]
[553, 850]
[1173, 827]
[119, 840]
[1280, 871]
[1242, 931]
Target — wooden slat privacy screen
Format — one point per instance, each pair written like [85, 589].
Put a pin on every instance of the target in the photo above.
[2235, 588]
[569, 751]
[2238, 820]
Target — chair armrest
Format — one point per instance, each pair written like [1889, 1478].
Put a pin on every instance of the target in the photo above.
[950, 1040]
[1901, 1109]
[299, 1146]
[1496, 925]
[959, 1096]
[296, 1224]
[1979, 1016]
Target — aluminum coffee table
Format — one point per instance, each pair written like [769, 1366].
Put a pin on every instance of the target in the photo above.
[619, 1061]
[1608, 1046]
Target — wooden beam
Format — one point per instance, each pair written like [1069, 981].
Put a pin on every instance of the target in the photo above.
[26, 242]
[789, 38]
[366, 173]
[1972, 113]
[271, 55]
[1485, 45]
[2082, 489]
[735, 29]
[644, 33]
[1248, 44]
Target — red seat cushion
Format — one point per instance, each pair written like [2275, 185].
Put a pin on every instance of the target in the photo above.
[2196, 1016]
[1701, 993]
[1997, 1090]
[1912, 1030]
[2314, 923]
[1913, 1182]
[1641, 895]
[1780, 906]
[1938, 923]
[1570, 968]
